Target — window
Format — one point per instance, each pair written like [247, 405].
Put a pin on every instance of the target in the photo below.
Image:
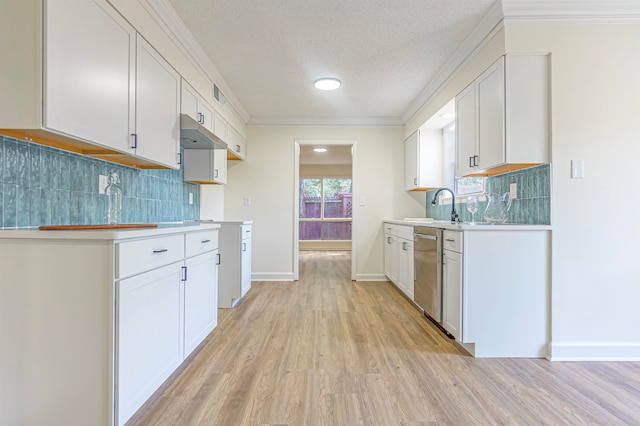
[325, 209]
[460, 185]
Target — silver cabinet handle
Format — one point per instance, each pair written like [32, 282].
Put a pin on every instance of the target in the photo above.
[450, 240]
[426, 237]
[470, 161]
[215, 173]
[244, 246]
[184, 273]
[205, 241]
[404, 246]
[237, 148]
[388, 240]
[135, 140]
[415, 181]
[476, 160]
[219, 257]
[160, 251]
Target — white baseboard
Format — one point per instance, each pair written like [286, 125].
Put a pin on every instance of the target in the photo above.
[594, 351]
[272, 276]
[371, 277]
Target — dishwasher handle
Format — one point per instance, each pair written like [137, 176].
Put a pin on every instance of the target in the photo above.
[425, 237]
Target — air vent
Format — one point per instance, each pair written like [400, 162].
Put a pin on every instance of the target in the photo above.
[218, 95]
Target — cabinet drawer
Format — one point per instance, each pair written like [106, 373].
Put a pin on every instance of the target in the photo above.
[201, 242]
[246, 231]
[390, 229]
[405, 232]
[452, 240]
[143, 255]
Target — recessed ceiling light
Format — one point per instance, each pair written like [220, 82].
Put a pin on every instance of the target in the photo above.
[448, 115]
[320, 149]
[327, 83]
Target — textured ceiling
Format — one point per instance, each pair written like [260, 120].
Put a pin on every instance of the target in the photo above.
[385, 51]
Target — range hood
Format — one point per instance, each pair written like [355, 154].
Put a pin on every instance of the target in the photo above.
[194, 135]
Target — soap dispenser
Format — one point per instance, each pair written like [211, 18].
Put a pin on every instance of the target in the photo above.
[114, 199]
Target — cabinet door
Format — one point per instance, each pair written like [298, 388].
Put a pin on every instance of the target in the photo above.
[207, 114]
[411, 159]
[88, 76]
[220, 165]
[452, 293]
[390, 257]
[406, 271]
[189, 101]
[200, 299]
[466, 131]
[237, 144]
[157, 107]
[245, 267]
[220, 126]
[491, 116]
[149, 335]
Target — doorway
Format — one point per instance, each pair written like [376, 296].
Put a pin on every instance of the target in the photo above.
[325, 185]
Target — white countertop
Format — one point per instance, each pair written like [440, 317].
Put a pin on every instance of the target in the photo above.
[226, 222]
[466, 226]
[106, 234]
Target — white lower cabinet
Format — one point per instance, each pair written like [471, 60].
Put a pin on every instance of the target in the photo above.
[163, 314]
[200, 299]
[235, 262]
[149, 323]
[398, 257]
[452, 284]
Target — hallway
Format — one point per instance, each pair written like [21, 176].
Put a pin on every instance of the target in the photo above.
[329, 351]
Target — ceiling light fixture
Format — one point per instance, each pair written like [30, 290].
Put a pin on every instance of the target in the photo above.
[327, 83]
[320, 149]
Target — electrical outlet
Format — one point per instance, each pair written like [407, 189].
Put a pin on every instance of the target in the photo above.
[191, 198]
[246, 201]
[513, 190]
[103, 182]
[577, 169]
[362, 201]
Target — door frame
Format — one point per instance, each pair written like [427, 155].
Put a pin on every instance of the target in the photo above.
[296, 204]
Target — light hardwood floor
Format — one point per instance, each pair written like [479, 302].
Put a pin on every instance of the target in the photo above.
[329, 351]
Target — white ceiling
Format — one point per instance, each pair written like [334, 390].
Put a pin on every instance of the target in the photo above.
[386, 52]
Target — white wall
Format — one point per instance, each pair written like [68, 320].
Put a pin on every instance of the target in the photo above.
[267, 176]
[595, 75]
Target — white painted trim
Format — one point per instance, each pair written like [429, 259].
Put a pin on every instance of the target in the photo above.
[326, 121]
[272, 276]
[296, 201]
[479, 37]
[371, 277]
[166, 17]
[594, 351]
[567, 11]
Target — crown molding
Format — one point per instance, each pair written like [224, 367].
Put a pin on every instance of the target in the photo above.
[571, 11]
[479, 37]
[325, 122]
[166, 17]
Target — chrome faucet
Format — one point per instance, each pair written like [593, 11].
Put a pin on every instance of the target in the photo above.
[454, 215]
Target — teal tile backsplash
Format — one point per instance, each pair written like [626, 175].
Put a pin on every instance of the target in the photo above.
[532, 205]
[40, 185]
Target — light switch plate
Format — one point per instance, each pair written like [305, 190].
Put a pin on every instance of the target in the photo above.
[577, 169]
[246, 201]
[513, 190]
[362, 201]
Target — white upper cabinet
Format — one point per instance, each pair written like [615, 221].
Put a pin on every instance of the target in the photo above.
[237, 145]
[502, 118]
[92, 85]
[196, 107]
[423, 160]
[157, 135]
[88, 65]
[220, 126]
[205, 165]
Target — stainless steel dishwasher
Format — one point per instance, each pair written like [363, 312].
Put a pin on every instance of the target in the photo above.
[428, 264]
